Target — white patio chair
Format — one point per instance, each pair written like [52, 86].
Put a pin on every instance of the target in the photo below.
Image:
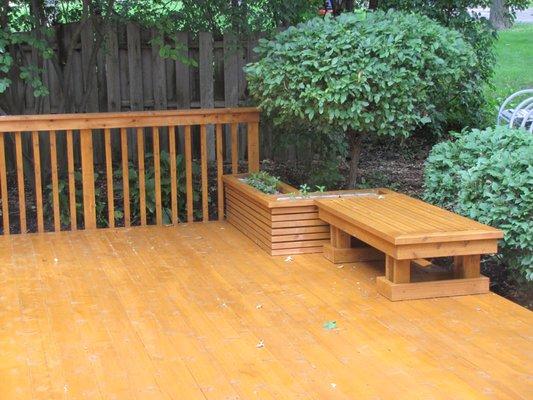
[520, 116]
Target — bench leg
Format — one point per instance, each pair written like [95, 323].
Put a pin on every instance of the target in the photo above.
[340, 249]
[339, 239]
[466, 266]
[397, 285]
[397, 271]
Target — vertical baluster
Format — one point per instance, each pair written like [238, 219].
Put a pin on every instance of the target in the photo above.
[220, 172]
[157, 177]
[20, 182]
[125, 176]
[188, 173]
[173, 177]
[234, 128]
[55, 181]
[71, 182]
[142, 182]
[205, 177]
[253, 146]
[109, 176]
[38, 183]
[3, 186]
[87, 178]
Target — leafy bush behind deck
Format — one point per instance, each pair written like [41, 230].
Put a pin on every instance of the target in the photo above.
[385, 73]
[487, 175]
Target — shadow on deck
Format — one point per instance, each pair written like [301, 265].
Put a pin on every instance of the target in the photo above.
[198, 311]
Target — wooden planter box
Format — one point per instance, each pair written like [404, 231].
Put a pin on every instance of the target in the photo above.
[281, 224]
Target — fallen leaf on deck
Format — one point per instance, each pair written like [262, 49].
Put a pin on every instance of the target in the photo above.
[330, 325]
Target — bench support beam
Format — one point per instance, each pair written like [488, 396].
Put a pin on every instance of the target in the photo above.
[340, 249]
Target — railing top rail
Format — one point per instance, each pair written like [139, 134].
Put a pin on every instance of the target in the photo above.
[131, 119]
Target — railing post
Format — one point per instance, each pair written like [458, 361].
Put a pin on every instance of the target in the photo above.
[253, 147]
[87, 176]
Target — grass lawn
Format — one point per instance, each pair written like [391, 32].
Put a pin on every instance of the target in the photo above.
[514, 63]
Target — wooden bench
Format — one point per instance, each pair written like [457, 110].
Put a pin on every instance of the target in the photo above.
[407, 231]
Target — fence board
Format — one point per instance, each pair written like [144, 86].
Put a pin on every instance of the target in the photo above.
[207, 95]
[112, 69]
[135, 78]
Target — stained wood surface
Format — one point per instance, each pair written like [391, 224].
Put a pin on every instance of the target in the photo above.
[400, 219]
[20, 182]
[179, 312]
[133, 119]
[4, 195]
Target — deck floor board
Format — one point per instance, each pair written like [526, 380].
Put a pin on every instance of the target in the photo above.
[180, 312]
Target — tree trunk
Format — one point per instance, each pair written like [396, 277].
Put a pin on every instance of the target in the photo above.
[499, 15]
[356, 141]
[373, 4]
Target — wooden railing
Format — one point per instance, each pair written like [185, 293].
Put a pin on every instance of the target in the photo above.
[30, 132]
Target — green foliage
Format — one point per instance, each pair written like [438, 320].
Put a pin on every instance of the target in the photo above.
[101, 193]
[29, 74]
[263, 181]
[384, 74]
[467, 108]
[514, 57]
[487, 175]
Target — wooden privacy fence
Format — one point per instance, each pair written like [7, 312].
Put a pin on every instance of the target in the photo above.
[80, 130]
[128, 74]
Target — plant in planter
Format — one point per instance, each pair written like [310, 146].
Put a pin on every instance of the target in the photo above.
[263, 182]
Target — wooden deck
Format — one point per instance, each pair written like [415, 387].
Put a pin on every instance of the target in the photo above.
[181, 313]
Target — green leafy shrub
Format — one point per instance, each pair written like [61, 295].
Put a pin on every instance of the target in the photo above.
[263, 181]
[383, 74]
[487, 175]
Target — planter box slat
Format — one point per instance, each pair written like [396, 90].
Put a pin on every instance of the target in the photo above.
[293, 210]
[303, 229]
[302, 236]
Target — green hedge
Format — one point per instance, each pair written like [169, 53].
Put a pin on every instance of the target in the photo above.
[487, 175]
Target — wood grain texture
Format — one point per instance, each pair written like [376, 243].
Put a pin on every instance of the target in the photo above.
[217, 299]
[401, 219]
[55, 181]
[87, 179]
[173, 174]
[132, 119]
[71, 181]
[157, 177]
[234, 129]
[220, 172]
[142, 175]
[204, 144]
[125, 176]
[188, 174]
[109, 178]
[38, 181]
[253, 147]
[20, 182]
[4, 195]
